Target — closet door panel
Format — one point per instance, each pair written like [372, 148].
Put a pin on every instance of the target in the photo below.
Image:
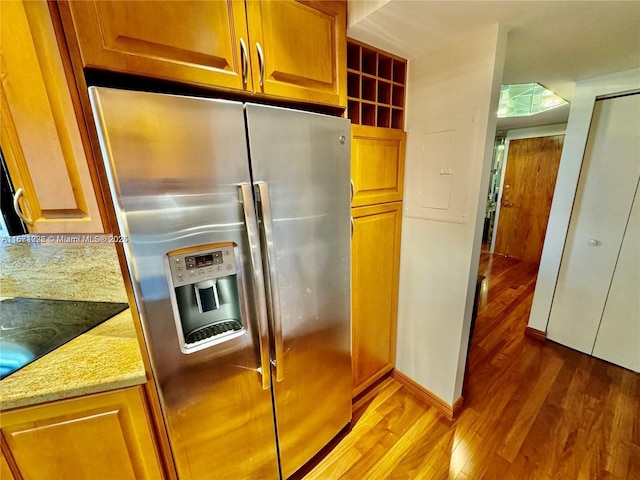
[618, 339]
[608, 180]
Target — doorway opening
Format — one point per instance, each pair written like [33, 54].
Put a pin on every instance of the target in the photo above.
[523, 176]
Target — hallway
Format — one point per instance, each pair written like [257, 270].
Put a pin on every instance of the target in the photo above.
[531, 410]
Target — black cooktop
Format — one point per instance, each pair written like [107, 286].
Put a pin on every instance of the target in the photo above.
[33, 327]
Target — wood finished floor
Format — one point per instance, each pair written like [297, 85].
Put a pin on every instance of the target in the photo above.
[531, 410]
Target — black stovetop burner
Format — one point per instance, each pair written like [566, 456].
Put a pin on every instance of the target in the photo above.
[33, 327]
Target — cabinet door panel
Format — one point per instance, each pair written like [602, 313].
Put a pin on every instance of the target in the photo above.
[377, 165]
[375, 264]
[304, 46]
[43, 137]
[101, 436]
[190, 41]
[5, 470]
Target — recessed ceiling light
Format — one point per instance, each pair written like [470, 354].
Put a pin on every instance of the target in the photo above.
[525, 99]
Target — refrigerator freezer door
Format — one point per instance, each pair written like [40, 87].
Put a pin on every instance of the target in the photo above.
[304, 160]
[174, 165]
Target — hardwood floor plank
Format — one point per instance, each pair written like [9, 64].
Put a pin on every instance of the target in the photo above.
[388, 462]
[415, 457]
[621, 433]
[527, 415]
[532, 410]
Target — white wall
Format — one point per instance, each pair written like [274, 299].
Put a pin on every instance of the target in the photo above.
[360, 9]
[568, 174]
[439, 258]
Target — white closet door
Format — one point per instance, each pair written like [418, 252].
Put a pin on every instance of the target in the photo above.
[618, 339]
[608, 180]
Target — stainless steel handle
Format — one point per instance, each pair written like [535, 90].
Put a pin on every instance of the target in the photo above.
[253, 237]
[267, 225]
[16, 207]
[245, 62]
[261, 63]
[353, 187]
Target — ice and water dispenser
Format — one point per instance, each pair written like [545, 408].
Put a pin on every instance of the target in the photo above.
[206, 304]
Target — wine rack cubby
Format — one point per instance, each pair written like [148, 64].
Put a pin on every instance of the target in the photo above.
[375, 86]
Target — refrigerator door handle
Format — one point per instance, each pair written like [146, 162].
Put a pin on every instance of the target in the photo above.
[267, 225]
[253, 237]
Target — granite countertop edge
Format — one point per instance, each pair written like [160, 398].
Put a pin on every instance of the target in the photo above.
[105, 358]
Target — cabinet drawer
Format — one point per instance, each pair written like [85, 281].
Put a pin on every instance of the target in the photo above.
[377, 165]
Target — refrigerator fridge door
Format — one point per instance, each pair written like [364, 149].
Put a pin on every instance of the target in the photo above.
[300, 163]
[174, 166]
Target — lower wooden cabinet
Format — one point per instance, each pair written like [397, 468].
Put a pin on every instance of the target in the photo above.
[375, 267]
[5, 471]
[102, 436]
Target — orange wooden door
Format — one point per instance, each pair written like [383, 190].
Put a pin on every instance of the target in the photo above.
[529, 182]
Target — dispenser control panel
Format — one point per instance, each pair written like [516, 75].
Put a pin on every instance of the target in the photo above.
[192, 266]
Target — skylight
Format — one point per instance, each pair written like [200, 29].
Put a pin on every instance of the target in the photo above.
[525, 99]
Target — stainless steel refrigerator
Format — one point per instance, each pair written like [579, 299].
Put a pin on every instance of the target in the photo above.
[238, 226]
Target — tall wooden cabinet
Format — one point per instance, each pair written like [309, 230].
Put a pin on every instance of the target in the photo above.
[102, 436]
[43, 135]
[377, 170]
[290, 49]
[376, 97]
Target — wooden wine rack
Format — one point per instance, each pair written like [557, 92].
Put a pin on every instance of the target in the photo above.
[375, 86]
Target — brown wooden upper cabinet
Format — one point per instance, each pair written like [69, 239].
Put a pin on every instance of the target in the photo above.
[43, 136]
[289, 49]
[377, 165]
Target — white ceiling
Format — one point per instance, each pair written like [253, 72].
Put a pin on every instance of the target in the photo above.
[549, 42]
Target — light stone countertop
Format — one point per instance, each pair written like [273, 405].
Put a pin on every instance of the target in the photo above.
[106, 357]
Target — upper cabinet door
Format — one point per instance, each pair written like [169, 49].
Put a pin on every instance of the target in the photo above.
[195, 42]
[377, 165]
[43, 135]
[298, 49]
